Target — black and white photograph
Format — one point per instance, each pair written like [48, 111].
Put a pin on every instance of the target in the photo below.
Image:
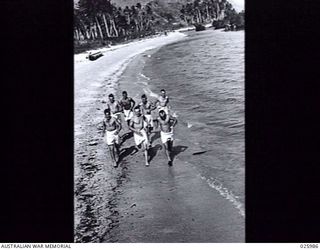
[159, 121]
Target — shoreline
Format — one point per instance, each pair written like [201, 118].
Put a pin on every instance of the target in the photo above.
[133, 203]
[96, 183]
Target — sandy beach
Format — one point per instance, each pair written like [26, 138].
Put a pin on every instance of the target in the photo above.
[133, 203]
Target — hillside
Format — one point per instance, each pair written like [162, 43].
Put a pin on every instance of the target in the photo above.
[112, 21]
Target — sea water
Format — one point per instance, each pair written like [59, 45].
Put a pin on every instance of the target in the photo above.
[203, 75]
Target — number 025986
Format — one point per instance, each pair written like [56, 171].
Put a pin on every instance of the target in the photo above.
[312, 245]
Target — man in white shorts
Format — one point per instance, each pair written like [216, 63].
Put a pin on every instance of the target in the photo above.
[138, 125]
[163, 101]
[127, 104]
[111, 129]
[166, 132]
[114, 107]
[146, 108]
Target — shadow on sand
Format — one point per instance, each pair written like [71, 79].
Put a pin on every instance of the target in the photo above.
[126, 137]
[177, 150]
[126, 152]
[153, 151]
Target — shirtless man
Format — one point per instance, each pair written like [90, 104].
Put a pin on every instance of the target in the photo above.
[138, 125]
[114, 107]
[166, 132]
[111, 129]
[146, 108]
[127, 104]
[163, 101]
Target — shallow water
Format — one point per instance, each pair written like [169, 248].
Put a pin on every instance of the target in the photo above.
[204, 78]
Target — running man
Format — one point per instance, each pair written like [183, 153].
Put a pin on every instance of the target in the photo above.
[114, 107]
[111, 129]
[162, 102]
[146, 108]
[127, 104]
[166, 132]
[138, 126]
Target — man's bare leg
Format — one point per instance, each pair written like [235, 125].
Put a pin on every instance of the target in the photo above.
[145, 151]
[112, 155]
[166, 147]
[117, 152]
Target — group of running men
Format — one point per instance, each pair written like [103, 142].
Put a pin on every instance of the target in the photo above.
[140, 122]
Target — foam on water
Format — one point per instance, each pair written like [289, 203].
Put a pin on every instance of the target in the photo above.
[217, 185]
[144, 76]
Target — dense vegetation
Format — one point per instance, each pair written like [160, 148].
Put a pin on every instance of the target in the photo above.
[99, 22]
[219, 13]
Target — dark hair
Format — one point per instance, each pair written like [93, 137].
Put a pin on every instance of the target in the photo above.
[162, 90]
[144, 96]
[111, 95]
[162, 112]
[137, 107]
[107, 111]
[124, 92]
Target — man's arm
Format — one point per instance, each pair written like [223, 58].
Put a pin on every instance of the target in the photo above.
[167, 100]
[118, 125]
[156, 102]
[174, 121]
[119, 107]
[103, 128]
[156, 127]
[133, 103]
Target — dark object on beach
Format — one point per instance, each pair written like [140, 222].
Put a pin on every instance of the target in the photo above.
[199, 153]
[94, 56]
[133, 205]
[199, 27]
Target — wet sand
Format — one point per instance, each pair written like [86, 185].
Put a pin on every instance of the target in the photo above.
[134, 203]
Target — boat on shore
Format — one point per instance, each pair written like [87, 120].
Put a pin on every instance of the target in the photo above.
[94, 56]
[199, 27]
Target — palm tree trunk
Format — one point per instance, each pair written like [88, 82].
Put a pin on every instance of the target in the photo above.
[88, 33]
[99, 28]
[106, 25]
[218, 11]
[114, 28]
[77, 34]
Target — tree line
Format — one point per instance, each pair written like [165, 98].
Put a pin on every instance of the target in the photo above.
[102, 20]
[216, 12]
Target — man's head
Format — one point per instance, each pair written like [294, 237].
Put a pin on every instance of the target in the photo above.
[111, 98]
[163, 93]
[137, 111]
[107, 114]
[162, 114]
[124, 94]
[144, 98]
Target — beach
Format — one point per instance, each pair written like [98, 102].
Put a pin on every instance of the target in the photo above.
[134, 203]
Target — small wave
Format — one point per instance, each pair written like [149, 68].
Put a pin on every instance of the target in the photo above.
[224, 192]
[150, 93]
[145, 77]
[189, 125]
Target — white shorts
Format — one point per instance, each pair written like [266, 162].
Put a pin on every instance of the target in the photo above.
[138, 139]
[165, 136]
[110, 137]
[149, 120]
[128, 114]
